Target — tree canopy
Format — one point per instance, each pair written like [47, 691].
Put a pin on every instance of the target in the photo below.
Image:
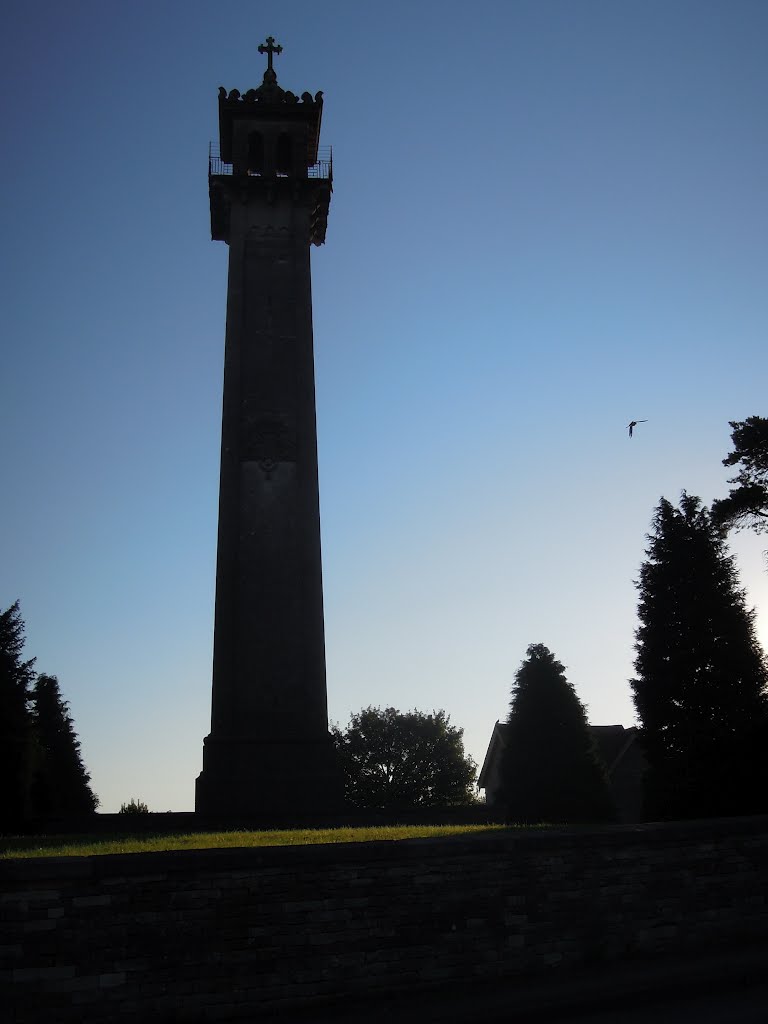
[398, 760]
[746, 506]
[700, 688]
[551, 770]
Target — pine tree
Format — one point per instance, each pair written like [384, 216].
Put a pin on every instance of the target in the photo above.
[700, 689]
[60, 784]
[746, 506]
[15, 736]
[551, 770]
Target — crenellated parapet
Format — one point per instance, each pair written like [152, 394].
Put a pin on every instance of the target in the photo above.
[270, 95]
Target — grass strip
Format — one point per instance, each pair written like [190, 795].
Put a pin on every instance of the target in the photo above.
[91, 845]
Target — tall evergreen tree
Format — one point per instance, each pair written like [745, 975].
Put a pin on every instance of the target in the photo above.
[551, 770]
[16, 676]
[60, 782]
[700, 688]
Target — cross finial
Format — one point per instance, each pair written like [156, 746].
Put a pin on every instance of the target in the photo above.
[270, 49]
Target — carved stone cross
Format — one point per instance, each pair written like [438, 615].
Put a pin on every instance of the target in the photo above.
[270, 49]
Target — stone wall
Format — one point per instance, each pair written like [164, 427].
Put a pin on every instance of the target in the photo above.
[220, 934]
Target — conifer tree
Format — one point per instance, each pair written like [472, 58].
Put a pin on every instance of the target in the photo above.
[700, 688]
[551, 770]
[60, 782]
[15, 736]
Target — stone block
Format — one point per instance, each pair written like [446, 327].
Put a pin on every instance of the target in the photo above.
[46, 925]
[83, 998]
[112, 980]
[84, 983]
[101, 900]
[26, 974]
[30, 896]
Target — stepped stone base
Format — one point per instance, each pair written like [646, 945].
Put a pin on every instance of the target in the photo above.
[261, 779]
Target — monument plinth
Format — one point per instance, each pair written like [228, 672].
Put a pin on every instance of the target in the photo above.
[269, 751]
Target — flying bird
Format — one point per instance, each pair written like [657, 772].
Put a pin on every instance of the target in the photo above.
[632, 424]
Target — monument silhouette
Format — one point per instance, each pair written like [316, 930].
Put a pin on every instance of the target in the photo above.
[269, 751]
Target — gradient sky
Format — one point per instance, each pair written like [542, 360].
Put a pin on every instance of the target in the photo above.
[549, 218]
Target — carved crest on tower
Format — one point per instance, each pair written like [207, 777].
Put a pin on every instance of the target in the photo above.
[267, 436]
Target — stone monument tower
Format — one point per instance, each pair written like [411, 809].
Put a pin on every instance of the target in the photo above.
[269, 752]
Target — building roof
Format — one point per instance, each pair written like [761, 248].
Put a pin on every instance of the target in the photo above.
[612, 742]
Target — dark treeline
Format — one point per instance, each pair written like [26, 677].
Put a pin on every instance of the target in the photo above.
[700, 691]
[40, 760]
[701, 683]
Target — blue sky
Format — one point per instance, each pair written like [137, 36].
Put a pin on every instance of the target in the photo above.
[549, 218]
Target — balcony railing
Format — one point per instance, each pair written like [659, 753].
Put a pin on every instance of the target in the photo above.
[322, 169]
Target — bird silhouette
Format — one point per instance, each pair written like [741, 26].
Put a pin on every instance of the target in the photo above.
[632, 424]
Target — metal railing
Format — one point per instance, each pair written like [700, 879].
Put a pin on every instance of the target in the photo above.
[322, 169]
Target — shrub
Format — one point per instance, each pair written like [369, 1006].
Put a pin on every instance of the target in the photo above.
[134, 807]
